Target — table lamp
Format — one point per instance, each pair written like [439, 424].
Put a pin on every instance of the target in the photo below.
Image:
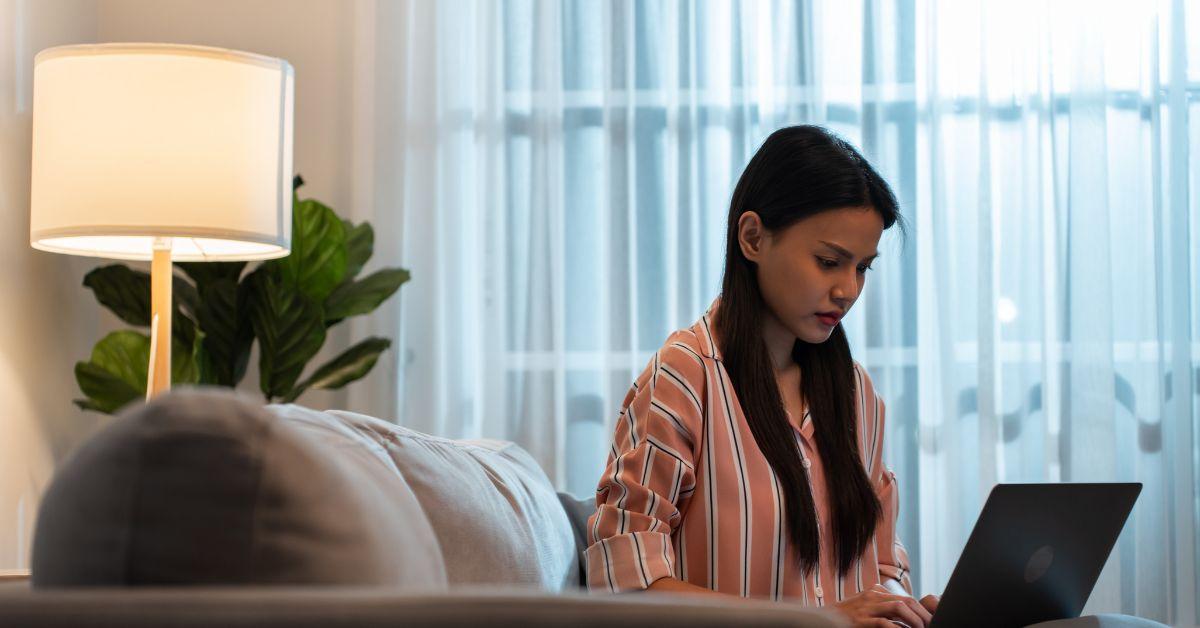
[161, 152]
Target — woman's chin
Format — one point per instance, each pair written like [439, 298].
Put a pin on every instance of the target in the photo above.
[815, 334]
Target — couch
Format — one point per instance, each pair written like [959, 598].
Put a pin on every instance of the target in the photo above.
[204, 508]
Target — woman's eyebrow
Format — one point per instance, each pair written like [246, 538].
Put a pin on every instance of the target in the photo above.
[846, 254]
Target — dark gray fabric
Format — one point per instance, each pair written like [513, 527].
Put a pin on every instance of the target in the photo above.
[1101, 621]
[205, 487]
[578, 511]
[326, 607]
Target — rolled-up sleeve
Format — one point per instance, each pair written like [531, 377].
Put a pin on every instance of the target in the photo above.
[650, 475]
[893, 558]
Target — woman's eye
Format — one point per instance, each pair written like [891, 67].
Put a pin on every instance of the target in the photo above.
[825, 262]
[863, 269]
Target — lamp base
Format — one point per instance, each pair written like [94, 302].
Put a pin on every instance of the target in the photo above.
[158, 378]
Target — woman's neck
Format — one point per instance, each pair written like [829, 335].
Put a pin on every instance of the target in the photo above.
[779, 343]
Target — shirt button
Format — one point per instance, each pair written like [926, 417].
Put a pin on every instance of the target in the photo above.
[819, 592]
[807, 463]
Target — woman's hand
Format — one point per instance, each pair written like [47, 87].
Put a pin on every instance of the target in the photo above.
[930, 602]
[878, 607]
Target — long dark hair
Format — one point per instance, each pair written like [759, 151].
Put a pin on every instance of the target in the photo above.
[800, 171]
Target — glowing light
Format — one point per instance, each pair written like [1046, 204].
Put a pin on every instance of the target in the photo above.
[1006, 310]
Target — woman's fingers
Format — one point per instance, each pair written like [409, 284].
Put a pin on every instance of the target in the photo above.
[919, 609]
[897, 609]
[888, 609]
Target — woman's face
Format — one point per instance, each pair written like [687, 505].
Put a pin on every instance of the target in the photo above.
[813, 271]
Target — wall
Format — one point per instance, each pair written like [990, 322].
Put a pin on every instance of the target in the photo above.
[48, 321]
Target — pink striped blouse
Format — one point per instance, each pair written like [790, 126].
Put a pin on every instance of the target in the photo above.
[687, 493]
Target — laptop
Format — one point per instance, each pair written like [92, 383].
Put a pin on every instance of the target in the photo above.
[1035, 553]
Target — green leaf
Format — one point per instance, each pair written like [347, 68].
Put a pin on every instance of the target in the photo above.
[317, 263]
[184, 369]
[118, 369]
[363, 296]
[126, 355]
[123, 290]
[354, 363]
[228, 335]
[360, 244]
[204, 365]
[290, 330]
[204, 273]
[106, 392]
[184, 296]
[126, 292]
[183, 330]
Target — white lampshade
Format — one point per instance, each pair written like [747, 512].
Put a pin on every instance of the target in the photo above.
[133, 142]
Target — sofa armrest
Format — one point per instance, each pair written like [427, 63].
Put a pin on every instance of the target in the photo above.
[320, 607]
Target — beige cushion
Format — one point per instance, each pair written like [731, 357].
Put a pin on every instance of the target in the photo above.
[495, 513]
[411, 544]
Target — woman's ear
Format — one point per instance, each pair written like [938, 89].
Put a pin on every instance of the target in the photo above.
[751, 234]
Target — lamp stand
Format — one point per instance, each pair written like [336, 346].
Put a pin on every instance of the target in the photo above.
[160, 319]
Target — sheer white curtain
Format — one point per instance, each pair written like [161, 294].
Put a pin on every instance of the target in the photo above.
[1056, 273]
[565, 168]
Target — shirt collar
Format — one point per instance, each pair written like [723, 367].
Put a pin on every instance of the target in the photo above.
[706, 332]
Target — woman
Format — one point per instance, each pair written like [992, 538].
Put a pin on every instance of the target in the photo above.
[747, 456]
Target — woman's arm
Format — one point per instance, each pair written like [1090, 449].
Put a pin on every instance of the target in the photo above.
[649, 477]
[672, 585]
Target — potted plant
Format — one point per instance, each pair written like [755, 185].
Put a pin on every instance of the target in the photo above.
[287, 305]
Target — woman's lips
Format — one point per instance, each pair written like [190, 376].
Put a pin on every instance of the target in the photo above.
[828, 320]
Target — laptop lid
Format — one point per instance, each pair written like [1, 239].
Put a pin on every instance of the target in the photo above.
[1035, 553]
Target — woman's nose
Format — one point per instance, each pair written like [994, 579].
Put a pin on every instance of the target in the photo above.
[845, 291]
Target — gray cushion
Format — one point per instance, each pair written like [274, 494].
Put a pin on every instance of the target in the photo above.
[578, 511]
[204, 487]
[496, 515]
